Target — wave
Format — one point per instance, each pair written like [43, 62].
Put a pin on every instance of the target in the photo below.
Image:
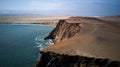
[41, 43]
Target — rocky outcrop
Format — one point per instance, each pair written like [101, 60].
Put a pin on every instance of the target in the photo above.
[64, 30]
[74, 26]
[50, 59]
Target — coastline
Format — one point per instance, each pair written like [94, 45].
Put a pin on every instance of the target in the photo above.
[30, 23]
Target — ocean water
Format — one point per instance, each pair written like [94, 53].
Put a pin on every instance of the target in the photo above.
[20, 44]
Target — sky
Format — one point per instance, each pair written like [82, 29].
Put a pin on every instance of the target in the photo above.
[61, 7]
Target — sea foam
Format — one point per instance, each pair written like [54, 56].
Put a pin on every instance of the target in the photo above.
[41, 43]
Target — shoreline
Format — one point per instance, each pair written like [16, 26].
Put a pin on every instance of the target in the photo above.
[29, 23]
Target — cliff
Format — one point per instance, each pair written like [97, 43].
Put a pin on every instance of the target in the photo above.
[83, 42]
[64, 30]
[75, 26]
[50, 59]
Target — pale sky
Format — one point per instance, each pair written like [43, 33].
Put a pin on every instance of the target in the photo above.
[61, 7]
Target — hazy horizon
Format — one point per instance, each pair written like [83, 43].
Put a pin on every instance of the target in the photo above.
[61, 7]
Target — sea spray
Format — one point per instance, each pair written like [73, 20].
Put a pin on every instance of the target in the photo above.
[41, 43]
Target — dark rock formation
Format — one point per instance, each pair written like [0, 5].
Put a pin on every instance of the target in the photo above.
[50, 59]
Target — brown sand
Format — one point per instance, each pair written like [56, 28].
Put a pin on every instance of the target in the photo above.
[102, 42]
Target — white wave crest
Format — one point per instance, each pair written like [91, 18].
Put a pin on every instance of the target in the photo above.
[41, 43]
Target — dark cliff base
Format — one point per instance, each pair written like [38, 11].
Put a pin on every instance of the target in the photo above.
[50, 59]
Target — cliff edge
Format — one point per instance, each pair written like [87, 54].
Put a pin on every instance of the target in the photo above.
[83, 42]
[64, 30]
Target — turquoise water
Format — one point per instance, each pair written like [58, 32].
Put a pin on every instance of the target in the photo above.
[18, 46]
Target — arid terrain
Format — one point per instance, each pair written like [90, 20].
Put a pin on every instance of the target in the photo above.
[31, 19]
[96, 39]
[87, 37]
